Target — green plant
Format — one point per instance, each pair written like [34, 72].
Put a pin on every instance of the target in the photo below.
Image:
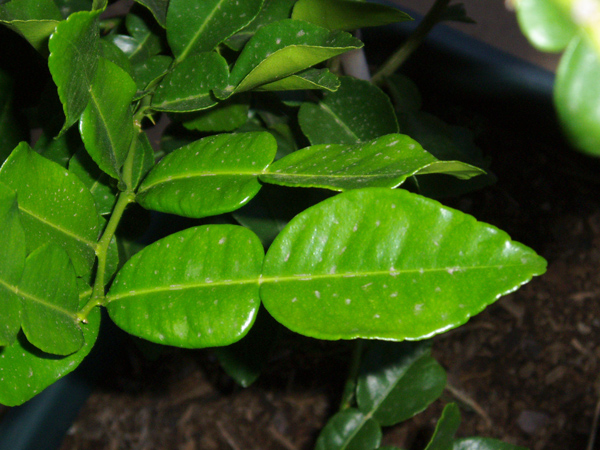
[258, 107]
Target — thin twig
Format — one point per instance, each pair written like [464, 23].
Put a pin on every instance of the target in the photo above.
[228, 438]
[595, 423]
[470, 402]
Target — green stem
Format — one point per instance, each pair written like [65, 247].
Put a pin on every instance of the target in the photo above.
[350, 387]
[412, 43]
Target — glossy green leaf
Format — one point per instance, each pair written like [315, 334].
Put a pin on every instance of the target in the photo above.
[196, 26]
[12, 262]
[228, 115]
[50, 298]
[158, 8]
[143, 159]
[383, 162]
[12, 130]
[188, 87]
[349, 430]
[357, 112]
[479, 443]
[26, 371]
[68, 7]
[35, 20]
[196, 288]
[150, 70]
[115, 55]
[545, 24]
[446, 428]
[387, 264]
[54, 205]
[346, 15]
[282, 49]
[107, 123]
[398, 380]
[307, 79]
[149, 43]
[577, 95]
[74, 52]
[61, 149]
[211, 176]
[98, 182]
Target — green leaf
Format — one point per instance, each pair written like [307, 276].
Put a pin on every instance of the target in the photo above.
[577, 95]
[357, 112]
[143, 159]
[35, 20]
[68, 7]
[479, 443]
[384, 162]
[387, 264]
[150, 70]
[107, 123]
[26, 371]
[346, 15]
[74, 52]
[228, 115]
[445, 429]
[50, 298]
[282, 49]
[349, 430]
[113, 53]
[61, 149]
[12, 262]
[196, 288]
[398, 380]
[545, 24]
[149, 44]
[98, 182]
[211, 176]
[196, 26]
[12, 130]
[188, 87]
[54, 205]
[307, 79]
[158, 8]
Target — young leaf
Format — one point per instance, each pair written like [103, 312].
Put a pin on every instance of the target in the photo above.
[387, 264]
[479, 443]
[228, 115]
[211, 176]
[398, 381]
[349, 430]
[357, 112]
[12, 262]
[545, 24]
[196, 26]
[188, 87]
[26, 371]
[346, 15]
[158, 8]
[282, 49]
[35, 20]
[74, 52]
[50, 298]
[445, 429]
[307, 79]
[383, 162]
[107, 124]
[196, 288]
[54, 205]
[98, 182]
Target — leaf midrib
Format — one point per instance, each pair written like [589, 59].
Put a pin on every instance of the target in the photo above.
[196, 36]
[15, 290]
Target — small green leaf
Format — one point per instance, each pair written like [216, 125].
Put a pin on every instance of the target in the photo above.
[384, 162]
[357, 112]
[26, 371]
[545, 24]
[12, 130]
[74, 52]
[282, 49]
[228, 115]
[577, 95]
[107, 124]
[150, 70]
[143, 159]
[349, 430]
[387, 264]
[12, 262]
[158, 8]
[398, 380]
[188, 87]
[479, 443]
[211, 176]
[196, 26]
[54, 205]
[98, 182]
[346, 15]
[445, 429]
[196, 288]
[35, 20]
[307, 79]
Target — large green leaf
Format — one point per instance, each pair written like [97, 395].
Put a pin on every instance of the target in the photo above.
[345, 14]
[349, 430]
[357, 112]
[188, 87]
[35, 20]
[12, 130]
[211, 176]
[387, 264]
[50, 298]
[158, 8]
[226, 116]
[196, 288]
[545, 24]
[195, 26]
[398, 380]
[74, 52]
[143, 159]
[12, 262]
[282, 49]
[384, 162]
[446, 428]
[479, 443]
[577, 95]
[26, 371]
[107, 123]
[97, 181]
[55, 206]
[307, 79]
